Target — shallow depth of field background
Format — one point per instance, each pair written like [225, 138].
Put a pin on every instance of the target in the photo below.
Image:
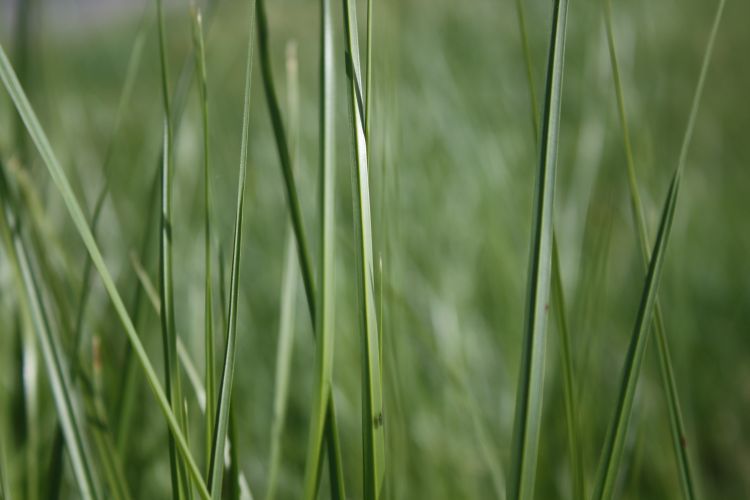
[453, 165]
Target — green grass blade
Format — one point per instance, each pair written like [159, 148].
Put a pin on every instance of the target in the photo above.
[325, 313]
[615, 439]
[531, 379]
[65, 398]
[166, 283]
[331, 428]
[558, 299]
[225, 388]
[373, 436]
[63, 185]
[288, 294]
[209, 341]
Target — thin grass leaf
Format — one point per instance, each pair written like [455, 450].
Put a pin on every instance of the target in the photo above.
[324, 327]
[166, 282]
[63, 185]
[331, 427]
[531, 379]
[209, 341]
[216, 469]
[558, 300]
[373, 435]
[614, 444]
[288, 294]
[63, 393]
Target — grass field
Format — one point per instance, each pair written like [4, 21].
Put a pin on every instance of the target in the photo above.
[504, 244]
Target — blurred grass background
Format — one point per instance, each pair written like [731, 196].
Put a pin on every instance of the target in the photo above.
[453, 165]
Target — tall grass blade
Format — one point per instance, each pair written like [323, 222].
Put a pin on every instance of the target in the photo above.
[8, 77]
[531, 379]
[331, 427]
[209, 341]
[166, 283]
[216, 468]
[558, 298]
[65, 398]
[288, 293]
[613, 448]
[373, 435]
[325, 313]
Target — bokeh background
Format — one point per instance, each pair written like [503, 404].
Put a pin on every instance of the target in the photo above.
[453, 165]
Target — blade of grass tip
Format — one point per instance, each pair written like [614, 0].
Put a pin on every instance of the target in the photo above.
[612, 451]
[57, 370]
[166, 280]
[8, 77]
[287, 309]
[558, 299]
[216, 469]
[373, 435]
[331, 427]
[531, 378]
[326, 308]
[209, 341]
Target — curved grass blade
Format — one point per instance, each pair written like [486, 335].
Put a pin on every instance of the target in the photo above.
[216, 468]
[325, 312]
[331, 427]
[373, 435]
[613, 448]
[209, 341]
[8, 77]
[531, 379]
[57, 370]
[288, 293]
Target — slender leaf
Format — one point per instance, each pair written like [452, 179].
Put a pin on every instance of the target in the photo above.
[531, 379]
[216, 469]
[373, 435]
[63, 185]
[325, 313]
[614, 444]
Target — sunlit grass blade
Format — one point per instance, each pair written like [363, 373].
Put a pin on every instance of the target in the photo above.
[60, 180]
[209, 342]
[331, 428]
[324, 327]
[373, 435]
[68, 411]
[216, 469]
[531, 378]
[613, 449]
[287, 307]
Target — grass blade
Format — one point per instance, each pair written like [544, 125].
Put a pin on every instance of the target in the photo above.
[558, 298]
[57, 370]
[326, 309]
[166, 284]
[288, 295]
[209, 341]
[373, 435]
[331, 428]
[613, 448]
[216, 469]
[531, 379]
[8, 77]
